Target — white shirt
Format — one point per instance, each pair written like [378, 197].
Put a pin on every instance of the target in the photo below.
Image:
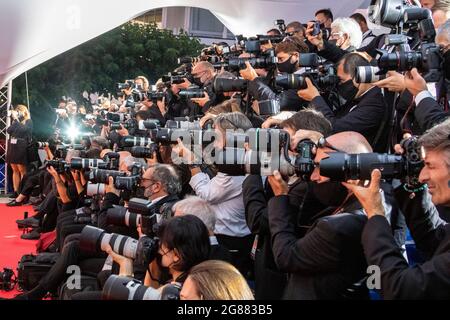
[224, 194]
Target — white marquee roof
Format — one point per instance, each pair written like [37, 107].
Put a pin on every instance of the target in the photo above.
[34, 31]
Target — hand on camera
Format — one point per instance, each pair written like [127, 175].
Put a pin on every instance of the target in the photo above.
[394, 82]
[310, 92]
[123, 132]
[53, 172]
[370, 196]
[300, 135]
[414, 82]
[201, 101]
[270, 122]
[248, 73]
[314, 40]
[110, 188]
[126, 264]
[278, 185]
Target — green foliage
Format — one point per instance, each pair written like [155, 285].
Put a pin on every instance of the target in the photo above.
[97, 65]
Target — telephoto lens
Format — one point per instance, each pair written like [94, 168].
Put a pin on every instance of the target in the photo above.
[81, 163]
[144, 152]
[125, 288]
[291, 81]
[95, 240]
[229, 85]
[120, 216]
[42, 145]
[269, 107]
[130, 141]
[94, 189]
[340, 166]
[368, 74]
[192, 93]
[102, 175]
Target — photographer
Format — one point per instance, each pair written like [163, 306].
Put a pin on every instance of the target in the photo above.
[367, 34]
[431, 279]
[183, 244]
[328, 262]
[345, 34]
[20, 132]
[362, 106]
[224, 194]
[204, 75]
[270, 282]
[288, 54]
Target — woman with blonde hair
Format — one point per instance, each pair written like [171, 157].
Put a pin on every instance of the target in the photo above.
[20, 134]
[215, 280]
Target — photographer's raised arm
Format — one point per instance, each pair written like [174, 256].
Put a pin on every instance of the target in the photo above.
[428, 112]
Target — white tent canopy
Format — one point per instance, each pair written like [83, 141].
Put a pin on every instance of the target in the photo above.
[34, 31]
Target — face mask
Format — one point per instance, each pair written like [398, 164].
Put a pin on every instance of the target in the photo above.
[197, 81]
[287, 66]
[333, 41]
[331, 194]
[347, 91]
[447, 65]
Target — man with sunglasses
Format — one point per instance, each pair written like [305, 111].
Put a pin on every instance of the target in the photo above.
[328, 262]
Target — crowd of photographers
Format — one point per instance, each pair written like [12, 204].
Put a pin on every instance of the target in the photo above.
[285, 166]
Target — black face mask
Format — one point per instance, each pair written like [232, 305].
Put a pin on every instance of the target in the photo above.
[347, 91]
[331, 194]
[446, 66]
[287, 66]
[333, 41]
[197, 81]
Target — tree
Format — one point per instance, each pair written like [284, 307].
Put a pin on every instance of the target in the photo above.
[97, 65]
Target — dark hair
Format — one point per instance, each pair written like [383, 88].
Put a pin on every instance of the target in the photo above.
[274, 30]
[143, 114]
[296, 25]
[326, 12]
[93, 153]
[352, 60]
[308, 119]
[189, 236]
[358, 17]
[291, 45]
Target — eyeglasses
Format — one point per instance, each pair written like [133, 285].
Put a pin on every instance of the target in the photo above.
[336, 35]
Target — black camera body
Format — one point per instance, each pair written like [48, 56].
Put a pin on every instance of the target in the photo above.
[7, 283]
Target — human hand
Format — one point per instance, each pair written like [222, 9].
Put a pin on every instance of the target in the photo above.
[394, 82]
[310, 92]
[278, 185]
[248, 73]
[414, 82]
[369, 197]
[201, 101]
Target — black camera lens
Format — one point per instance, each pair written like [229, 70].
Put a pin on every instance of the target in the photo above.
[229, 85]
[80, 163]
[120, 216]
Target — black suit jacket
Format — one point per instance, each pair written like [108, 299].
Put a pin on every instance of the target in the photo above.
[327, 260]
[365, 115]
[430, 280]
[429, 113]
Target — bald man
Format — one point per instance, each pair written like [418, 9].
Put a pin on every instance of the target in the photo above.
[204, 75]
[328, 261]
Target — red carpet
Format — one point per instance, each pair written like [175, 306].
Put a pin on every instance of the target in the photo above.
[12, 247]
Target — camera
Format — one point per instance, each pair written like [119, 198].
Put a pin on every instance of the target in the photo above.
[125, 288]
[229, 85]
[59, 165]
[94, 189]
[116, 116]
[269, 107]
[42, 145]
[145, 152]
[129, 124]
[95, 240]
[267, 151]
[102, 175]
[369, 74]
[342, 166]
[81, 163]
[192, 93]
[128, 84]
[324, 80]
[7, 282]
[130, 141]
